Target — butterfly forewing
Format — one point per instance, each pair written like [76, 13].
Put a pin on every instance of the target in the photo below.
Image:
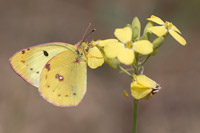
[28, 63]
[63, 79]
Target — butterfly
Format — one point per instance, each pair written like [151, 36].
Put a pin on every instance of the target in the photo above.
[57, 69]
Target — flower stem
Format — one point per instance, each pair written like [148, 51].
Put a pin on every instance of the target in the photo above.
[125, 71]
[143, 62]
[135, 116]
[135, 112]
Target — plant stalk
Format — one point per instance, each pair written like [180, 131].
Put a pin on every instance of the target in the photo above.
[135, 116]
[143, 62]
[124, 70]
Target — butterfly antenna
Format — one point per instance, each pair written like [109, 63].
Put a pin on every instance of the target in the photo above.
[89, 34]
[86, 34]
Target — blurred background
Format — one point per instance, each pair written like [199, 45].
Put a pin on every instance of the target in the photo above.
[104, 109]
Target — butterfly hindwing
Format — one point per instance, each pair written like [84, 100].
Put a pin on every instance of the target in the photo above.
[63, 79]
[28, 63]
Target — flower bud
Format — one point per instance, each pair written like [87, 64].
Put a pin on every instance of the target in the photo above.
[135, 33]
[146, 34]
[157, 42]
[155, 51]
[113, 63]
[136, 28]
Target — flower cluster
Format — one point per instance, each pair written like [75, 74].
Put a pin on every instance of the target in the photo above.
[133, 49]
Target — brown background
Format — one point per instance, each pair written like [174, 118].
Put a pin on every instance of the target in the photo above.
[104, 109]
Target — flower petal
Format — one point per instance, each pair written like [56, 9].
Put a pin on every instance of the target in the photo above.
[177, 37]
[155, 20]
[102, 43]
[138, 91]
[176, 29]
[158, 30]
[143, 47]
[123, 34]
[145, 81]
[112, 49]
[126, 56]
[126, 94]
[95, 58]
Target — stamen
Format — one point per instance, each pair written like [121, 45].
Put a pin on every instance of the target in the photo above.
[129, 45]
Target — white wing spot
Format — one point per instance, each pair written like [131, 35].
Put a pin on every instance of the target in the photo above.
[59, 77]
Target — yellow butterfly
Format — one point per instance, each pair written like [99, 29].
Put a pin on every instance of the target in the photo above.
[57, 69]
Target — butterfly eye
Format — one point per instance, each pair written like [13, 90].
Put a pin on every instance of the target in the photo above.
[81, 55]
[87, 49]
[77, 52]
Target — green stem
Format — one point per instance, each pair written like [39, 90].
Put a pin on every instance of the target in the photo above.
[135, 116]
[135, 112]
[144, 62]
[125, 71]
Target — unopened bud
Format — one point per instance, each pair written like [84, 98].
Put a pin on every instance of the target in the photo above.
[157, 42]
[113, 63]
[136, 28]
[135, 33]
[146, 34]
[155, 51]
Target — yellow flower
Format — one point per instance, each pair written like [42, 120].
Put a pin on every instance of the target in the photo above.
[94, 56]
[143, 86]
[124, 48]
[165, 28]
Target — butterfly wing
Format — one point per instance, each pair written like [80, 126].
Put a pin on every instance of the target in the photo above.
[63, 79]
[28, 63]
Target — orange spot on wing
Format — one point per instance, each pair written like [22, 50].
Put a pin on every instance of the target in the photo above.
[47, 66]
[23, 51]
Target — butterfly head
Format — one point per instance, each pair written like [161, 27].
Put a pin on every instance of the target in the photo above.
[81, 50]
[82, 46]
